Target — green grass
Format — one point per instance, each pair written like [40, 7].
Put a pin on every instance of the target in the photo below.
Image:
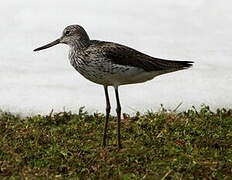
[164, 145]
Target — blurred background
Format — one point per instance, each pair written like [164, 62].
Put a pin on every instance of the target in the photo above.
[200, 30]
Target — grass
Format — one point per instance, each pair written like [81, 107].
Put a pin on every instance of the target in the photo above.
[164, 145]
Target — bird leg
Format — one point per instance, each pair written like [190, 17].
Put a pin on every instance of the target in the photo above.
[118, 110]
[107, 115]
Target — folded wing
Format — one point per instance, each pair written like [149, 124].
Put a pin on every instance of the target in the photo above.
[124, 55]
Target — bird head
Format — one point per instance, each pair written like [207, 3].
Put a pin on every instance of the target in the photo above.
[73, 35]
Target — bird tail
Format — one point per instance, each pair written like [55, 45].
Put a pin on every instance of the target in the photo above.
[183, 64]
[173, 64]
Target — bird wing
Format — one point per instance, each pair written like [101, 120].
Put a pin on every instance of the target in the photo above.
[123, 55]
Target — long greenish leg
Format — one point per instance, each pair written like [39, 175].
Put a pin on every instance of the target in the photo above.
[118, 110]
[107, 115]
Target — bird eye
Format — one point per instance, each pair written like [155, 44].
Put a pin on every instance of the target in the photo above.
[67, 32]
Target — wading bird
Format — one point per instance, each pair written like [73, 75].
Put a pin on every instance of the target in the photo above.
[112, 64]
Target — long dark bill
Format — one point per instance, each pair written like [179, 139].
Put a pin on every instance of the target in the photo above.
[48, 45]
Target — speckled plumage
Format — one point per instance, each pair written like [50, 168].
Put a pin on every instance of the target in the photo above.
[112, 64]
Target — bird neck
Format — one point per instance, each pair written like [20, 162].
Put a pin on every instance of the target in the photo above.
[77, 48]
[80, 44]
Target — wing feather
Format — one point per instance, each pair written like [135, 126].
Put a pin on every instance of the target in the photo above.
[123, 55]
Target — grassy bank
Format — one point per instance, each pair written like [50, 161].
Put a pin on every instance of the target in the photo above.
[163, 145]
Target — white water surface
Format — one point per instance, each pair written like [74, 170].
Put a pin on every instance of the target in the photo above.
[200, 30]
